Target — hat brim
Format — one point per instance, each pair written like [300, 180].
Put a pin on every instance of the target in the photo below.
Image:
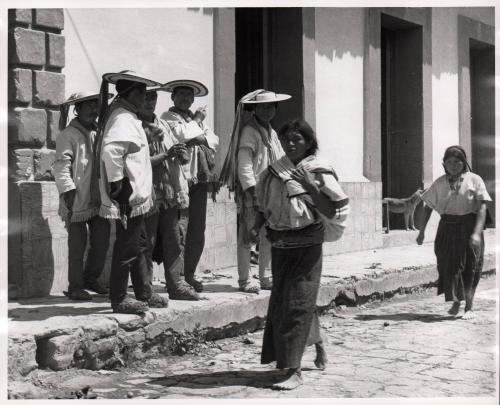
[86, 98]
[156, 88]
[199, 89]
[114, 77]
[277, 99]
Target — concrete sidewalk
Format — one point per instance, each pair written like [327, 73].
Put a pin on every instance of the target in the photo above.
[57, 333]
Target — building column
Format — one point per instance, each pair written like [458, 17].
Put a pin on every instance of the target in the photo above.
[36, 87]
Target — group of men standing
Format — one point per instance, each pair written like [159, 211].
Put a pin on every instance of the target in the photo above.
[120, 161]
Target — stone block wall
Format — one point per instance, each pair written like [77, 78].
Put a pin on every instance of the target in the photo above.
[220, 234]
[36, 85]
[364, 226]
[42, 242]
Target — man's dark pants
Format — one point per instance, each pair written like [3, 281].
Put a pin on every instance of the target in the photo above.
[171, 223]
[195, 238]
[97, 229]
[129, 251]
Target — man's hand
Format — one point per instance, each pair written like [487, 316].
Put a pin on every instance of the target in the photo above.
[199, 140]
[253, 235]
[69, 198]
[115, 188]
[178, 150]
[420, 238]
[305, 178]
[475, 241]
[156, 134]
[200, 114]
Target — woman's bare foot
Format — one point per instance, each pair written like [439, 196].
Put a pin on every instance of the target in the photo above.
[321, 360]
[470, 314]
[454, 308]
[292, 380]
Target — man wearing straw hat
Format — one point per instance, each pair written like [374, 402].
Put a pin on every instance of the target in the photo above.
[167, 223]
[126, 189]
[190, 128]
[254, 146]
[79, 200]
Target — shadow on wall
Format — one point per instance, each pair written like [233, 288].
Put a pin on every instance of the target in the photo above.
[206, 11]
[337, 32]
[38, 239]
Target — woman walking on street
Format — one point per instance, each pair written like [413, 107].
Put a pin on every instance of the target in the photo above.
[295, 194]
[460, 197]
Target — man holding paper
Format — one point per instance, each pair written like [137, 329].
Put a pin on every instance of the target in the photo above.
[190, 128]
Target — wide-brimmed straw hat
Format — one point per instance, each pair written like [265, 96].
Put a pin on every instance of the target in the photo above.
[267, 97]
[80, 96]
[131, 76]
[199, 89]
[156, 88]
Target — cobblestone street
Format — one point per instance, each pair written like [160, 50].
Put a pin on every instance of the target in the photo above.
[405, 347]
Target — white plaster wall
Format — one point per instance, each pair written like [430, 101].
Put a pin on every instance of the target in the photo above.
[445, 120]
[485, 15]
[339, 89]
[445, 111]
[163, 43]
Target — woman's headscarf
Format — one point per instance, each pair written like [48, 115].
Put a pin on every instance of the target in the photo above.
[458, 152]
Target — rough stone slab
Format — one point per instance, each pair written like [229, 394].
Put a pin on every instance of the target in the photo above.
[20, 15]
[395, 281]
[20, 88]
[99, 328]
[22, 355]
[53, 130]
[156, 329]
[98, 354]
[327, 293]
[27, 46]
[131, 339]
[42, 163]
[49, 17]
[130, 322]
[28, 126]
[49, 88]
[57, 353]
[203, 316]
[56, 54]
[20, 164]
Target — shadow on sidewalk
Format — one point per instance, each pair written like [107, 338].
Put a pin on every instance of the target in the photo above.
[256, 379]
[219, 288]
[406, 317]
[40, 309]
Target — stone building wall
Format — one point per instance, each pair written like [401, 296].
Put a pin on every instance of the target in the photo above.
[36, 56]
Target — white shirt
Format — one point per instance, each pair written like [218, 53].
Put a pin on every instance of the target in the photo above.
[465, 200]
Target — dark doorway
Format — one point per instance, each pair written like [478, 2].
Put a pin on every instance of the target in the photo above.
[269, 55]
[482, 98]
[402, 110]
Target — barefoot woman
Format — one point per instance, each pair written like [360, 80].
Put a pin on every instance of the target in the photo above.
[289, 193]
[460, 198]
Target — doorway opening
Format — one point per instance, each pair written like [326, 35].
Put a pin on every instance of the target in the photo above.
[482, 99]
[402, 110]
[269, 55]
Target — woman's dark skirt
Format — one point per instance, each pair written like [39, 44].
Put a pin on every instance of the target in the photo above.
[459, 265]
[292, 321]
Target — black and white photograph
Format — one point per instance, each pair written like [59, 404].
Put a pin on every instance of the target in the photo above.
[260, 201]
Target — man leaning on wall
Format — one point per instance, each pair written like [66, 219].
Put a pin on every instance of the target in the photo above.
[79, 201]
